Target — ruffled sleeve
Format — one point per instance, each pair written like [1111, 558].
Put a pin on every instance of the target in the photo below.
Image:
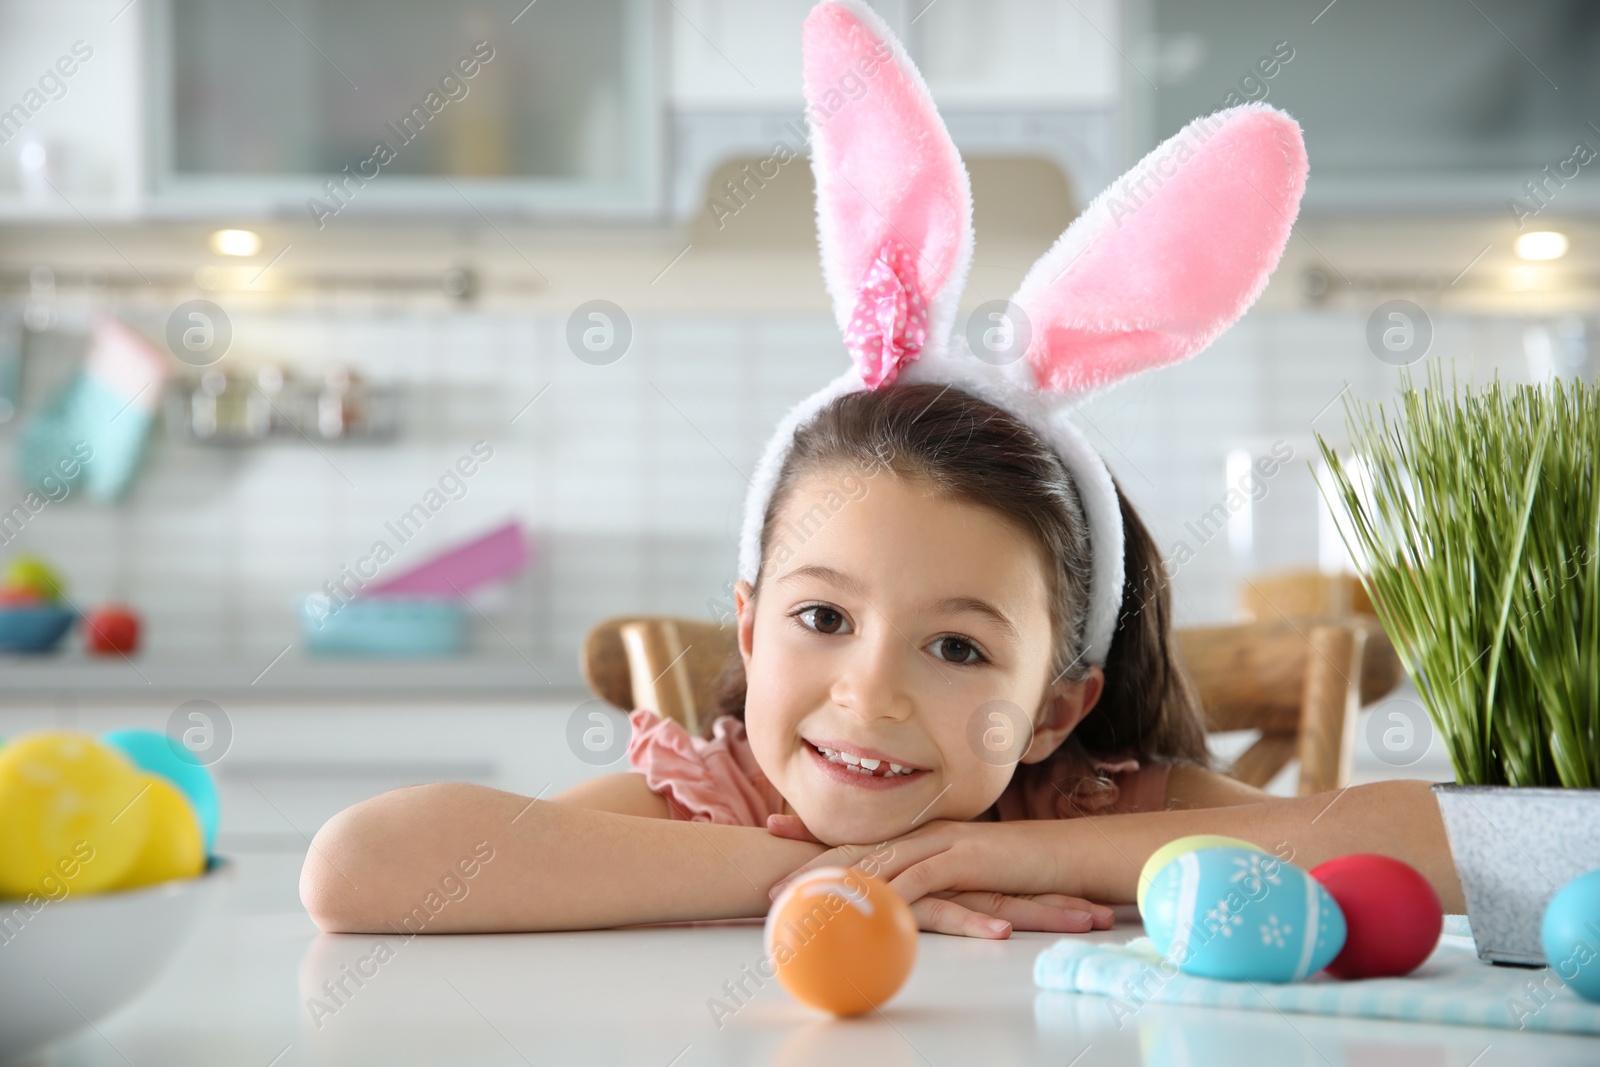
[716, 780]
[1065, 788]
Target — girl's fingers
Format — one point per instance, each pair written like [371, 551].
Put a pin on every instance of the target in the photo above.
[996, 915]
[940, 915]
[1055, 911]
[926, 868]
[884, 860]
[791, 827]
[842, 856]
[1024, 913]
[1104, 917]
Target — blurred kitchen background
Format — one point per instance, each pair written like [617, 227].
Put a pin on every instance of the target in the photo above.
[587, 270]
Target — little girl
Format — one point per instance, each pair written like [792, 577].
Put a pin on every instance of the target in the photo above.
[955, 668]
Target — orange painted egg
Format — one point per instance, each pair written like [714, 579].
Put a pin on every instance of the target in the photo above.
[841, 940]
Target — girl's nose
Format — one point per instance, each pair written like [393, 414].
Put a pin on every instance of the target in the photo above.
[875, 681]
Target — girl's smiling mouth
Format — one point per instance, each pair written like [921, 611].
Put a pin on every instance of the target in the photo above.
[853, 769]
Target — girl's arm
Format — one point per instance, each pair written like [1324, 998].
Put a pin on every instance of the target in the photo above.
[455, 858]
[400, 861]
[1189, 786]
[625, 794]
[1100, 857]
[1395, 818]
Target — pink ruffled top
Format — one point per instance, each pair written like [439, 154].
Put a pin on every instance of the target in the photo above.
[719, 780]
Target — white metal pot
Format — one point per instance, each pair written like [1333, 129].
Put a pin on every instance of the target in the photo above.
[1514, 848]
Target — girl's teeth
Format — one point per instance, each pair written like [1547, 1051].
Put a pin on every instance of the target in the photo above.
[862, 765]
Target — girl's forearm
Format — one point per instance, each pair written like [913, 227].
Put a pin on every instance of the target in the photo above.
[395, 863]
[1100, 857]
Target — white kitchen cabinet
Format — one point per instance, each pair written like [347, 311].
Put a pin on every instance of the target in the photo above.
[1010, 53]
[70, 126]
[1010, 78]
[1020, 53]
[728, 55]
[190, 108]
[328, 107]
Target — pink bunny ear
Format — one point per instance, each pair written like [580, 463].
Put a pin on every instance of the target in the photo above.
[894, 206]
[1170, 255]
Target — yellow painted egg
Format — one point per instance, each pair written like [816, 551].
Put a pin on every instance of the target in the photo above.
[1173, 849]
[174, 846]
[67, 817]
[841, 940]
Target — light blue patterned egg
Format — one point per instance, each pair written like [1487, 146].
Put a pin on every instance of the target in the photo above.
[1242, 915]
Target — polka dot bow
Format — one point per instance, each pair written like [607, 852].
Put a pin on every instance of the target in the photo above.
[890, 322]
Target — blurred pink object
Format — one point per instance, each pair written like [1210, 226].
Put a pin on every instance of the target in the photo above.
[498, 554]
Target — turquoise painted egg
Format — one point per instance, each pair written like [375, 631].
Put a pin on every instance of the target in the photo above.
[159, 754]
[1242, 915]
[1570, 934]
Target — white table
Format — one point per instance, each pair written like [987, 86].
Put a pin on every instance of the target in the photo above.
[238, 994]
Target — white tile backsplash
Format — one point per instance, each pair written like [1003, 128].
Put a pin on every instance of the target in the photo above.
[631, 477]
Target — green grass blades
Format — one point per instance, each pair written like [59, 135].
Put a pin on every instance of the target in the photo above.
[1474, 518]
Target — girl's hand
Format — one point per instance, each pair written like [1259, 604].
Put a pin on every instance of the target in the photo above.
[958, 906]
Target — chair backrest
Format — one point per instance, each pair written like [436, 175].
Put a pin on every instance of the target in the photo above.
[667, 664]
[1299, 681]
[1301, 592]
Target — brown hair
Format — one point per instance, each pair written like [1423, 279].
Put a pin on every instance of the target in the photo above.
[967, 449]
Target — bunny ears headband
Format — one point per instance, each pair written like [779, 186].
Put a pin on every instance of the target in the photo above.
[1159, 264]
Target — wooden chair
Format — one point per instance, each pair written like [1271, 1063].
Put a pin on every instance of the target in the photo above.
[667, 664]
[1303, 592]
[1299, 681]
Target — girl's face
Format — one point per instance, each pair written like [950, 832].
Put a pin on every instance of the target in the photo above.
[892, 622]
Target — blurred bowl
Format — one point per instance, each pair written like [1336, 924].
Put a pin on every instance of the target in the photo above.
[68, 962]
[34, 629]
[400, 626]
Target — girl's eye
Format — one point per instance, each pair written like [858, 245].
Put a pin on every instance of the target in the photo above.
[957, 650]
[827, 620]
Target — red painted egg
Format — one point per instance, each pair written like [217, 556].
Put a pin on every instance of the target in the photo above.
[1391, 913]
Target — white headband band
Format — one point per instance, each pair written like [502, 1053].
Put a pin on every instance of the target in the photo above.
[1089, 474]
[1157, 266]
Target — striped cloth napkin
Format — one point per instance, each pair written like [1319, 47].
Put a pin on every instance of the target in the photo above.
[1453, 986]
